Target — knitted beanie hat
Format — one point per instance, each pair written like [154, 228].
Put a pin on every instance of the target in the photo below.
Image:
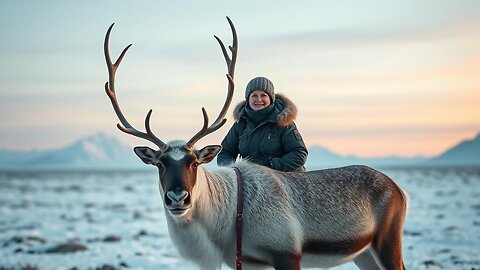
[262, 84]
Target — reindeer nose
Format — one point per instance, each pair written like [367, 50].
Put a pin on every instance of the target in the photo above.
[177, 196]
[177, 199]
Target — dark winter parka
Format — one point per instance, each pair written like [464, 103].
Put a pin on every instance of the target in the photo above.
[273, 142]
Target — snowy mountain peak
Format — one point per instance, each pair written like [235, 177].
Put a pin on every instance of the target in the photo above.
[100, 146]
[102, 151]
[98, 138]
[94, 151]
[466, 152]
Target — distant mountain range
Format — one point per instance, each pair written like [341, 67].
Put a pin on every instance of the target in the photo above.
[465, 153]
[97, 151]
[320, 157]
[103, 152]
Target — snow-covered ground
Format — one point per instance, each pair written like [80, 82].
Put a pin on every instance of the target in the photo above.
[118, 219]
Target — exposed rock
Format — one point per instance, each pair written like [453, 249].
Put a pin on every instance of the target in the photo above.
[28, 267]
[67, 248]
[107, 267]
[412, 233]
[26, 239]
[432, 263]
[112, 238]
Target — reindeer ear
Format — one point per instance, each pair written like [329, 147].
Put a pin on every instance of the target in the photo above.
[208, 153]
[146, 154]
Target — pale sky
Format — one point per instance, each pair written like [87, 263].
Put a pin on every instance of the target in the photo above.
[370, 78]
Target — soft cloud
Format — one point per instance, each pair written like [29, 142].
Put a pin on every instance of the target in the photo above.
[370, 78]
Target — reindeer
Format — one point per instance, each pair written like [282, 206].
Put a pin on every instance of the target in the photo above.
[320, 218]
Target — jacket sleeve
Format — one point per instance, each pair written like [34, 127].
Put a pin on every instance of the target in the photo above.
[295, 151]
[230, 150]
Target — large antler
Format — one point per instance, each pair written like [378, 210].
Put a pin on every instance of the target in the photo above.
[220, 121]
[110, 90]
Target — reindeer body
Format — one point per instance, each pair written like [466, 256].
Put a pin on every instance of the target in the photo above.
[320, 218]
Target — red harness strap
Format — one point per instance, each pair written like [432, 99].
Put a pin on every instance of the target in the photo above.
[239, 220]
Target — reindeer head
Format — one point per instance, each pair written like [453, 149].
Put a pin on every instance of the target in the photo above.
[177, 168]
[177, 162]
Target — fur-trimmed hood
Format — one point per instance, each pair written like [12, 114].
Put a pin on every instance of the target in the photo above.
[286, 116]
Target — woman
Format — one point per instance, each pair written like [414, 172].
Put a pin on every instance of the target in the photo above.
[264, 131]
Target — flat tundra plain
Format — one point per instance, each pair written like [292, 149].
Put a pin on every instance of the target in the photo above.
[115, 220]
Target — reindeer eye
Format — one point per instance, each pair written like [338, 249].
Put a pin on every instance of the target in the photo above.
[195, 164]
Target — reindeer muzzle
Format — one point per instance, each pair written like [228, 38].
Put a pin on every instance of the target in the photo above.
[177, 201]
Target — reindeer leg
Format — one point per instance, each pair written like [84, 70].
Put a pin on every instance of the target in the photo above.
[287, 262]
[390, 251]
[388, 242]
[368, 260]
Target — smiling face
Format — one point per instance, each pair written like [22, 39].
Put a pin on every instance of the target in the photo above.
[258, 100]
